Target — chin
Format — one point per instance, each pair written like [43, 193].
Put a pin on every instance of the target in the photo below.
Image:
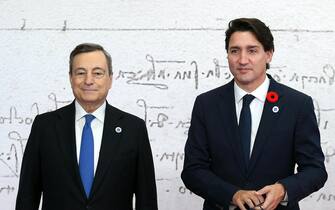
[89, 100]
[244, 79]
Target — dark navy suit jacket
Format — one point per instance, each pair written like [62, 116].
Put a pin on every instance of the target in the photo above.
[214, 167]
[125, 166]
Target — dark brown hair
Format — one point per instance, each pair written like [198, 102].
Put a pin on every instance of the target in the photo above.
[90, 47]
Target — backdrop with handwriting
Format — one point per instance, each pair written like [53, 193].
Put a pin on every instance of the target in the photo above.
[165, 53]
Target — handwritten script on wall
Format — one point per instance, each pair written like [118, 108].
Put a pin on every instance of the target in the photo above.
[158, 72]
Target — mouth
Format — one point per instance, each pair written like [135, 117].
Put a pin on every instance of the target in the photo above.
[89, 90]
[244, 70]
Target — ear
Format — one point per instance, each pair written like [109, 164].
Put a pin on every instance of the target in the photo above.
[269, 55]
[70, 78]
[110, 81]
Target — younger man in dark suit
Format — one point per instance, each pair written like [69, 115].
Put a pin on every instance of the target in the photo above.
[89, 154]
[247, 136]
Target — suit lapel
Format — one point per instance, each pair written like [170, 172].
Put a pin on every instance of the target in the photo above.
[268, 121]
[109, 144]
[65, 129]
[228, 113]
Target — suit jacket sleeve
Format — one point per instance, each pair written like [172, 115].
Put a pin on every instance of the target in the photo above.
[197, 174]
[311, 174]
[30, 187]
[146, 195]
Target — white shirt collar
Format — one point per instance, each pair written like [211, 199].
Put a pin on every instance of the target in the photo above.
[259, 93]
[98, 113]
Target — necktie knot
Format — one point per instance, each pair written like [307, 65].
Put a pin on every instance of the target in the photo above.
[247, 99]
[88, 119]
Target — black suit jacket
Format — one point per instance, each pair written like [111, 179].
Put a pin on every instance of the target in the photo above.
[125, 165]
[214, 167]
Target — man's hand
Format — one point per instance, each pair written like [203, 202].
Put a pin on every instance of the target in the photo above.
[251, 198]
[273, 194]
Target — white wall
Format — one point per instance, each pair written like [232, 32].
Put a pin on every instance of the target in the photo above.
[152, 43]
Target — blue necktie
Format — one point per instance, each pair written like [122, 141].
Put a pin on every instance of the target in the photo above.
[86, 157]
[245, 126]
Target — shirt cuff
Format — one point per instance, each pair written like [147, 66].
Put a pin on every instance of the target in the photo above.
[284, 202]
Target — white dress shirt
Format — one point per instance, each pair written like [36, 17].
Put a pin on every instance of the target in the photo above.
[256, 106]
[97, 126]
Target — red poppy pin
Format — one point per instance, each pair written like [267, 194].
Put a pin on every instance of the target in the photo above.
[272, 97]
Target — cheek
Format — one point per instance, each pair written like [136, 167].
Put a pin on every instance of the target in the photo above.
[230, 62]
[75, 84]
[232, 67]
[233, 61]
[259, 61]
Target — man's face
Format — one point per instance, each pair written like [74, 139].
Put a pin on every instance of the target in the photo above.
[247, 60]
[90, 80]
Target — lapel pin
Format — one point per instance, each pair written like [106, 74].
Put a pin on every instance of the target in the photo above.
[272, 96]
[275, 109]
[118, 130]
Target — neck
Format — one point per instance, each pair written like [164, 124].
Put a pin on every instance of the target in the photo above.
[250, 87]
[90, 107]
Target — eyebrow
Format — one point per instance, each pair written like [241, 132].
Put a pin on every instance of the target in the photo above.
[95, 68]
[253, 46]
[98, 68]
[79, 68]
[248, 47]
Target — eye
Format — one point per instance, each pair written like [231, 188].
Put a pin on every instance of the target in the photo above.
[233, 51]
[252, 51]
[79, 72]
[99, 73]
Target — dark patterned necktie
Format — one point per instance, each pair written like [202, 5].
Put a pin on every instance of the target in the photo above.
[245, 126]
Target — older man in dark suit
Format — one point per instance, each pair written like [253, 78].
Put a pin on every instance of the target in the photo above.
[247, 136]
[89, 154]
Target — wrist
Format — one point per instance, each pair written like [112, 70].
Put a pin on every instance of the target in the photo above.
[282, 190]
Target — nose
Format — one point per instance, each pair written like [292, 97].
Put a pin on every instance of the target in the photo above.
[243, 59]
[89, 79]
